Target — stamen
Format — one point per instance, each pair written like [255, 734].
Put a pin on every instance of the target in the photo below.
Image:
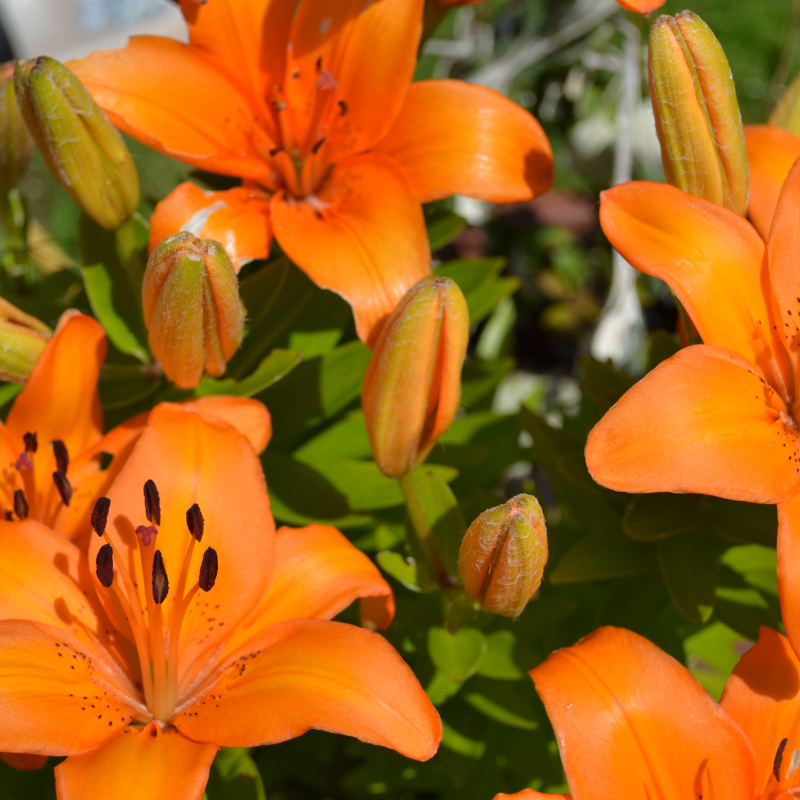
[31, 442]
[326, 82]
[793, 764]
[9, 516]
[317, 145]
[100, 515]
[294, 75]
[276, 150]
[63, 486]
[319, 65]
[160, 580]
[20, 504]
[195, 522]
[23, 462]
[62, 456]
[776, 765]
[105, 565]
[146, 534]
[208, 570]
[345, 108]
[152, 503]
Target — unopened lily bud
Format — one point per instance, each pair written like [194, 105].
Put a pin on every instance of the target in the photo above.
[16, 144]
[413, 384]
[697, 115]
[22, 340]
[786, 113]
[81, 147]
[192, 308]
[503, 555]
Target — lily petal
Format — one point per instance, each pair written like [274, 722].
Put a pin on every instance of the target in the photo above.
[249, 417]
[789, 568]
[195, 459]
[316, 674]
[370, 50]
[710, 257]
[641, 6]
[23, 760]
[771, 152]
[702, 421]
[318, 573]
[363, 236]
[762, 696]
[530, 794]
[57, 695]
[171, 97]
[237, 218]
[149, 763]
[632, 722]
[453, 137]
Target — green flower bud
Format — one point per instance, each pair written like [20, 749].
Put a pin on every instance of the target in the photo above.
[16, 144]
[192, 308]
[697, 115]
[503, 555]
[22, 340]
[786, 113]
[82, 148]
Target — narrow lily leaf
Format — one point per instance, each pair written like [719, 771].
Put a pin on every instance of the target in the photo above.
[649, 517]
[458, 655]
[275, 366]
[235, 776]
[600, 556]
[443, 228]
[8, 392]
[403, 570]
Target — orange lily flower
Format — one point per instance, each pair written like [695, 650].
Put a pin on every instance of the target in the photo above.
[641, 6]
[316, 112]
[632, 722]
[52, 440]
[719, 418]
[771, 151]
[191, 625]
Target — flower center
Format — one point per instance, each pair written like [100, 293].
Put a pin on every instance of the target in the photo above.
[157, 644]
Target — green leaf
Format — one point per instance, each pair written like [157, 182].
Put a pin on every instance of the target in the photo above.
[499, 662]
[711, 655]
[662, 346]
[689, 568]
[8, 391]
[403, 570]
[477, 279]
[603, 383]
[461, 744]
[443, 228]
[122, 385]
[457, 655]
[441, 688]
[346, 439]
[480, 378]
[502, 702]
[277, 365]
[650, 517]
[600, 556]
[235, 776]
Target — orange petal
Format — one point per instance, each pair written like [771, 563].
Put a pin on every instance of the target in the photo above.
[771, 152]
[632, 722]
[316, 674]
[709, 256]
[172, 98]
[641, 6]
[453, 137]
[370, 49]
[762, 696]
[530, 794]
[49, 682]
[249, 417]
[789, 568]
[318, 573]
[238, 219]
[149, 763]
[23, 760]
[702, 421]
[60, 399]
[245, 38]
[366, 240]
[194, 458]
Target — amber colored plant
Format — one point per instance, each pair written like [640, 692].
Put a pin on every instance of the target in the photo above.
[641, 6]
[719, 418]
[191, 626]
[631, 721]
[316, 112]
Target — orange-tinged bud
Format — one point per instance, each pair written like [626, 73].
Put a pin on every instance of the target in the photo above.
[16, 144]
[192, 309]
[786, 113]
[413, 385]
[503, 555]
[697, 115]
[81, 147]
[22, 340]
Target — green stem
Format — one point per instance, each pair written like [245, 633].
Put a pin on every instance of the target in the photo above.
[15, 225]
[422, 530]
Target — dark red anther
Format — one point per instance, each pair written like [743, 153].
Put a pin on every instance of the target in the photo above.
[319, 65]
[317, 145]
[208, 570]
[105, 565]
[61, 454]
[152, 503]
[195, 522]
[100, 515]
[276, 150]
[63, 486]
[345, 108]
[160, 580]
[20, 504]
[776, 765]
[31, 442]
[9, 515]
[146, 534]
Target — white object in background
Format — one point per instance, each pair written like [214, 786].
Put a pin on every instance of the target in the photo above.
[67, 29]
